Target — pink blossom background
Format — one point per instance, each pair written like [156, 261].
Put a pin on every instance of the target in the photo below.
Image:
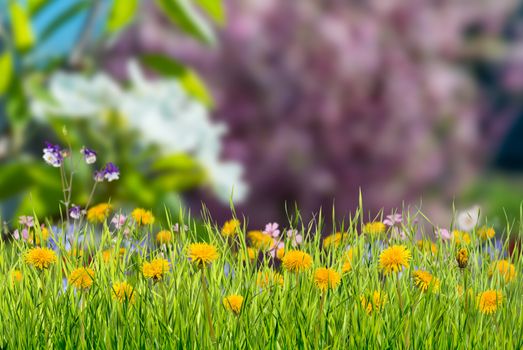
[324, 98]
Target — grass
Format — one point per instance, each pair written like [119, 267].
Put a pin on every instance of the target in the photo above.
[44, 310]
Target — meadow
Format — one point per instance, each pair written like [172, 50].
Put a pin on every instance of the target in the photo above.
[203, 286]
[111, 278]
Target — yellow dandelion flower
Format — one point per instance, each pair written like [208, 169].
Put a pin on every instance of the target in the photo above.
[486, 233]
[427, 246]
[142, 216]
[374, 229]
[280, 253]
[424, 280]
[231, 227]
[41, 258]
[249, 254]
[504, 268]
[81, 278]
[99, 213]
[164, 237]
[16, 276]
[233, 303]
[489, 301]
[462, 258]
[269, 278]
[202, 254]
[106, 255]
[347, 261]
[155, 269]
[460, 237]
[376, 302]
[394, 259]
[334, 240]
[296, 261]
[325, 278]
[123, 292]
[259, 240]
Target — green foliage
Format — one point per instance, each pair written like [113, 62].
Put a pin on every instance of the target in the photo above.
[190, 80]
[150, 178]
[185, 16]
[6, 71]
[121, 14]
[214, 9]
[23, 35]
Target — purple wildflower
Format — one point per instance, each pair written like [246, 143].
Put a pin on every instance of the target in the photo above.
[111, 172]
[75, 212]
[53, 155]
[99, 176]
[89, 155]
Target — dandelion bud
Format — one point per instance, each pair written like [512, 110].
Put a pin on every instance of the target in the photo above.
[462, 258]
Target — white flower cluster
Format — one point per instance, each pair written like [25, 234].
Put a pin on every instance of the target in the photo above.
[161, 110]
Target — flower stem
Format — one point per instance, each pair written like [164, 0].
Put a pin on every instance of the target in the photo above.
[399, 293]
[206, 304]
[320, 317]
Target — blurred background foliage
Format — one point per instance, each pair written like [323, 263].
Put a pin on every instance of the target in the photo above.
[39, 38]
[403, 99]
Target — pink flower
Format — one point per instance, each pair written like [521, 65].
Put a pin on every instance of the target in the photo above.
[118, 221]
[27, 221]
[272, 229]
[296, 238]
[444, 234]
[25, 234]
[393, 219]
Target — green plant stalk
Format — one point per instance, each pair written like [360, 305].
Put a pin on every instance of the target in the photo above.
[206, 304]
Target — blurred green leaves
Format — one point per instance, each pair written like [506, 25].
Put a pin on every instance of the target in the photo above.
[6, 71]
[189, 79]
[121, 14]
[23, 35]
[184, 14]
[149, 177]
[215, 10]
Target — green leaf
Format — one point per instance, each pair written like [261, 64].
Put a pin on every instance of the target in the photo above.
[177, 172]
[188, 78]
[64, 17]
[36, 5]
[122, 13]
[6, 71]
[184, 15]
[22, 29]
[214, 8]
